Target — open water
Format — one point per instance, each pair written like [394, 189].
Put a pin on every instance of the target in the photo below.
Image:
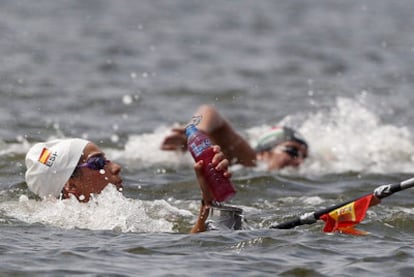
[121, 73]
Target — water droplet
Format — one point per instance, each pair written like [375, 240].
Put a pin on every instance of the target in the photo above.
[114, 138]
[127, 99]
[23, 198]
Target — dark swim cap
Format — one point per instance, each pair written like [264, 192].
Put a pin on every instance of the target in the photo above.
[277, 135]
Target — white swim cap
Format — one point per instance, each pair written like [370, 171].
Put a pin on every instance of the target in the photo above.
[50, 165]
[277, 135]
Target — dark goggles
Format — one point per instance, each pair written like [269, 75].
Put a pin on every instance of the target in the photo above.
[293, 151]
[95, 163]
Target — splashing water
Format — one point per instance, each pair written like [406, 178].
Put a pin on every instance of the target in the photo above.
[351, 138]
[145, 151]
[109, 210]
[345, 138]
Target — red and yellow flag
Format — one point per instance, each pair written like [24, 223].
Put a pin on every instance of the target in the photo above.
[346, 217]
[44, 156]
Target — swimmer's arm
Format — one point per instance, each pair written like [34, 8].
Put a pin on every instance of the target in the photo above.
[221, 164]
[200, 225]
[206, 196]
[219, 130]
[234, 146]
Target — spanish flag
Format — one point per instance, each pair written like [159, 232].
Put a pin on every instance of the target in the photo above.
[44, 156]
[346, 217]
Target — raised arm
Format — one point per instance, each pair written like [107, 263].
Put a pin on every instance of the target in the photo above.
[221, 164]
[234, 146]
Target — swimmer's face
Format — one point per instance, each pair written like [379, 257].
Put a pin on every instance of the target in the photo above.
[93, 174]
[289, 153]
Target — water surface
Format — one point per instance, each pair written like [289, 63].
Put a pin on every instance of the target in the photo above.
[121, 73]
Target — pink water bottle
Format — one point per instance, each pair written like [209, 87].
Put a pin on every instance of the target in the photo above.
[201, 148]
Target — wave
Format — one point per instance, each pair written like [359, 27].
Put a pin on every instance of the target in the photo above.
[347, 137]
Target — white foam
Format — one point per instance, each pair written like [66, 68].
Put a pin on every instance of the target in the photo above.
[144, 150]
[20, 147]
[109, 210]
[349, 137]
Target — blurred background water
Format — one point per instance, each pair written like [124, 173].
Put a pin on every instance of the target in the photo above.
[121, 73]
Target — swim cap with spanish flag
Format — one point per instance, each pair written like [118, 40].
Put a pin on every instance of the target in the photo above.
[277, 135]
[50, 165]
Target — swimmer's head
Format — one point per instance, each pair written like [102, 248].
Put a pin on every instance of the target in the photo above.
[277, 135]
[51, 164]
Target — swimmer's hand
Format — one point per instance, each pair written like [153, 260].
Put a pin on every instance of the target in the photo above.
[221, 164]
[177, 140]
